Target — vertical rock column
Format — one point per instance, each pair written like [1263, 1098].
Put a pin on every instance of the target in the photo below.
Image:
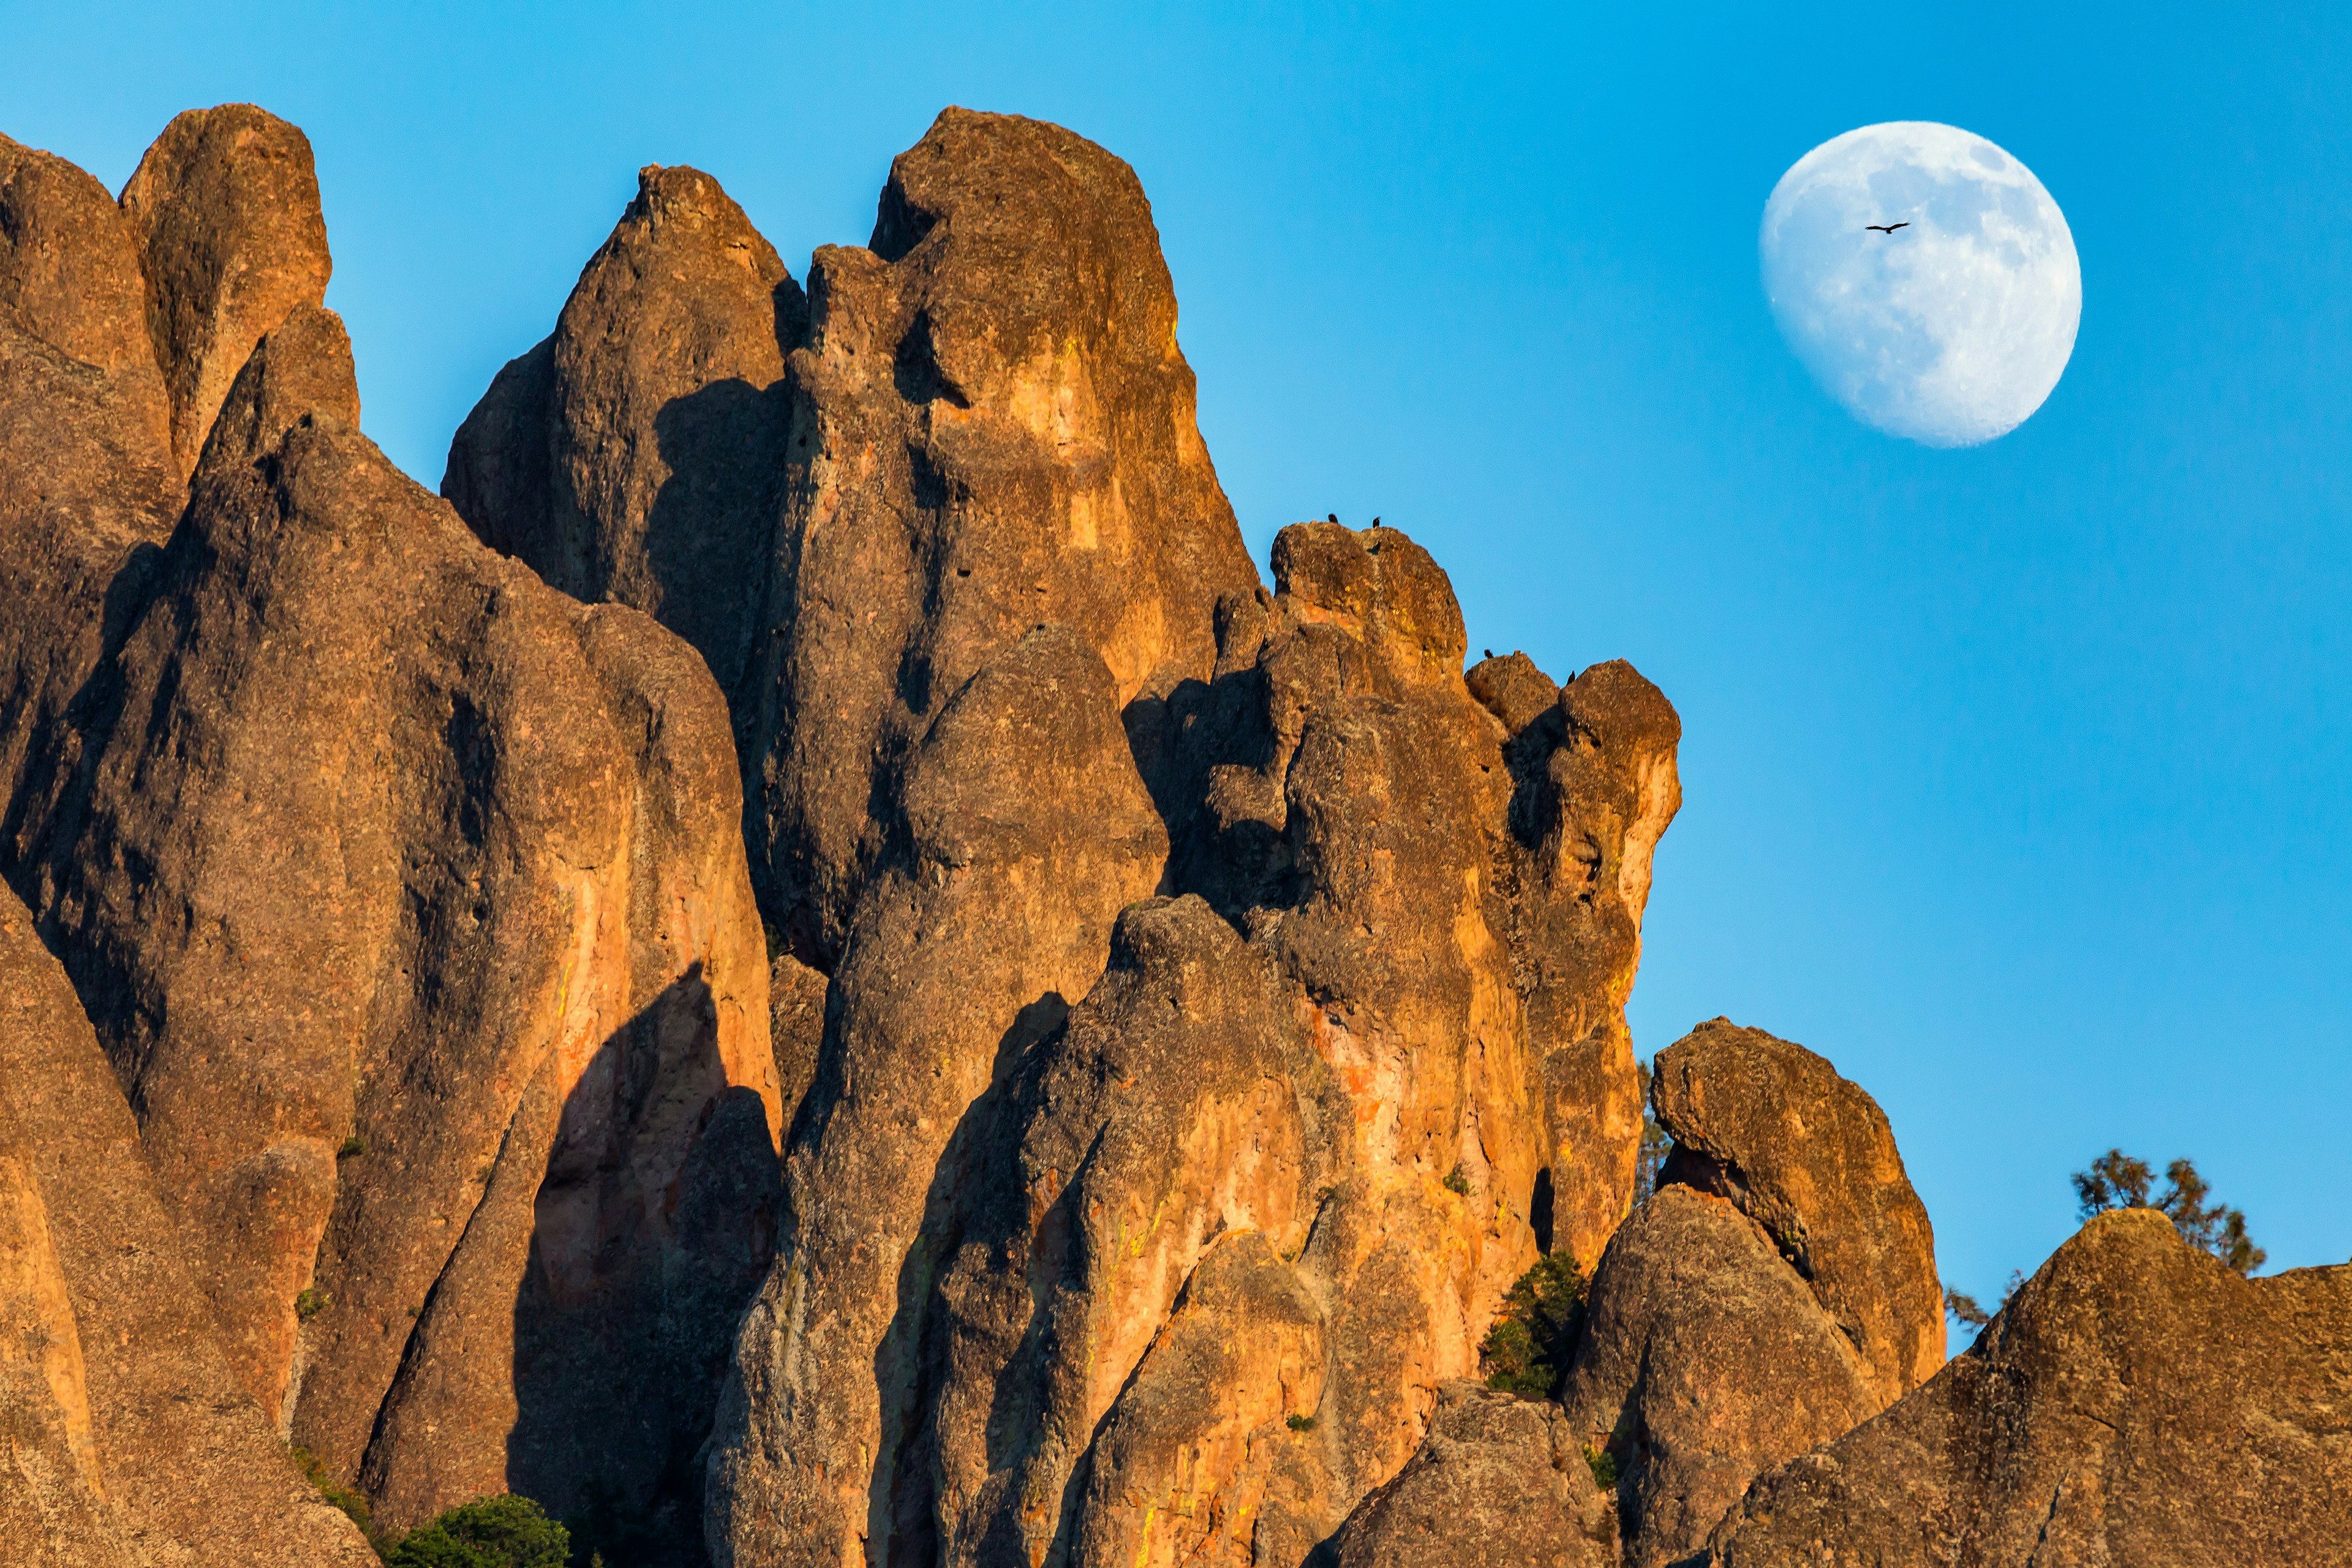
[1025, 831]
[224, 210]
[1594, 787]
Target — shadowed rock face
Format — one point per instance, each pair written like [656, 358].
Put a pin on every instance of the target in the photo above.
[1809, 1156]
[1499, 1482]
[796, 1002]
[2136, 1402]
[129, 1439]
[986, 427]
[635, 453]
[87, 473]
[224, 211]
[1704, 1360]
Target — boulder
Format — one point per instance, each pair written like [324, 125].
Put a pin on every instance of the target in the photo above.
[1704, 1360]
[1809, 1157]
[1499, 1482]
[129, 1438]
[2136, 1402]
[224, 211]
[70, 275]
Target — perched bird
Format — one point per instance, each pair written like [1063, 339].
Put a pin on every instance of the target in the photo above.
[1488, 652]
[1334, 517]
[1888, 227]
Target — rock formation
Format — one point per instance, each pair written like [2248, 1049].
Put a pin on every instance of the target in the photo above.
[2136, 1402]
[224, 211]
[978, 431]
[1705, 1360]
[1183, 1010]
[984, 426]
[1777, 1290]
[1025, 831]
[1499, 1483]
[124, 1434]
[1281, 1163]
[407, 894]
[71, 276]
[1809, 1157]
[636, 454]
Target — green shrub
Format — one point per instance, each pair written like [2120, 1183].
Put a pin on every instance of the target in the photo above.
[489, 1532]
[352, 1148]
[1603, 1465]
[1457, 1182]
[307, 1304]
[1527, 1348]
[1298, 1422]
[354, 1506]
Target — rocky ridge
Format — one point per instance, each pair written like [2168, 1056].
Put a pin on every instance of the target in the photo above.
[806, 967]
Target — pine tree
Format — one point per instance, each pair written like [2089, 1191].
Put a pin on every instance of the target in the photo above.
[2117, 1181]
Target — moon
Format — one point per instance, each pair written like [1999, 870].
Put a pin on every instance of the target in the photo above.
[1948, 332]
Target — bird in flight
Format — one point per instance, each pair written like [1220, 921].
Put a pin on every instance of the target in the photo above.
[1888, 227]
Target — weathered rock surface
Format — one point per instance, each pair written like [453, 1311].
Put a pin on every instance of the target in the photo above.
[636, 454]
[1499, 1482]
[53, 1503]
[409, 898]
[127, 1438]
[1023, 830]
[796, 999]
[1362, 849]
[988, 427]
[224, 210]
[1253, 1177]
[1161, 1119]
[1186, 1472]
[2135, 1403]
[1809, 1156]
[1594, 787]
[70, 275]
[1704, 1361]
[87, 473]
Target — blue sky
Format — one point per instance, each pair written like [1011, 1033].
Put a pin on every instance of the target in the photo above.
[2014, 777]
